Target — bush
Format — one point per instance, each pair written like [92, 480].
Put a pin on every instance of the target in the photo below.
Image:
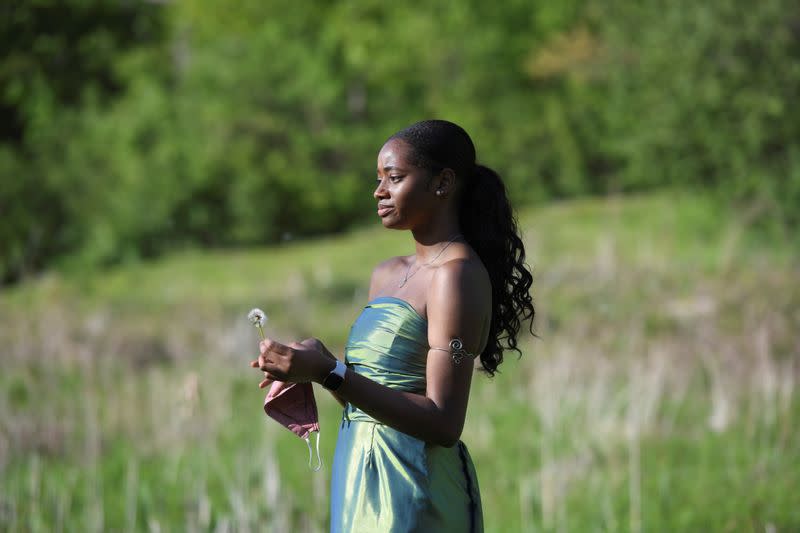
[240, 123]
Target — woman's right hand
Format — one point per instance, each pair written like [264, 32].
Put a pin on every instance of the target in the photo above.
[316, 344]
[295, 362]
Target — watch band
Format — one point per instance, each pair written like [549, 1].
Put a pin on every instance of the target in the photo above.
[335, 378]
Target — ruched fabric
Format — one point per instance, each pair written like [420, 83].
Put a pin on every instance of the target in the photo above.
[385, 480]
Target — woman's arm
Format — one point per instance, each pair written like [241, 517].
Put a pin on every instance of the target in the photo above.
[458, 306]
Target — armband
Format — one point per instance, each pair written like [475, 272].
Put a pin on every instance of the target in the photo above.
[456, 350]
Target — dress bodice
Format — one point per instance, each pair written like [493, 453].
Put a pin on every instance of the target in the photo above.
[388, 343]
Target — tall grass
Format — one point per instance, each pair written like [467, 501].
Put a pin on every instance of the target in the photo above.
[661, 394]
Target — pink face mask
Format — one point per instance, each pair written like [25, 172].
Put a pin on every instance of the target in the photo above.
[294, 407]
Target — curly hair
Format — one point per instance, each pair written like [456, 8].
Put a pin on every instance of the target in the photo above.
[488, 225]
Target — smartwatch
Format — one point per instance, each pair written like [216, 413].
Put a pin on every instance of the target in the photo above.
[334, 380]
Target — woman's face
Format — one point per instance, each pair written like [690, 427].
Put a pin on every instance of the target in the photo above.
[406, 198]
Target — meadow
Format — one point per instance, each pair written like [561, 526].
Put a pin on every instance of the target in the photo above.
[660, 395]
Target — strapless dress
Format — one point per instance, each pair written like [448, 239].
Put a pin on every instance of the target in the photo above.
[384, 480]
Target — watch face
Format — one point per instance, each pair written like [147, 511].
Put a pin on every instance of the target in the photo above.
[333, 381]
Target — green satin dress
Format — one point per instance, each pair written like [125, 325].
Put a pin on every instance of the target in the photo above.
[384, 480]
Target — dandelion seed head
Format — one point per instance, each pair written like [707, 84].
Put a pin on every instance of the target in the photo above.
[257, 317]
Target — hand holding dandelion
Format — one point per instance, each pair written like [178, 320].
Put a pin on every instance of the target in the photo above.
[258, 318]
[294, 362]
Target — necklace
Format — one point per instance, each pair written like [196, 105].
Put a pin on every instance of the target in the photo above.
[410, 275]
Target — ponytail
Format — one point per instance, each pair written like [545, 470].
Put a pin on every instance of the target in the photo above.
[489, 226]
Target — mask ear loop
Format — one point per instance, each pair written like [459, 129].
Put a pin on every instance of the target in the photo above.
[311, 454]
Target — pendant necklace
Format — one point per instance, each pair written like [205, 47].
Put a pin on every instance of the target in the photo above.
[410, 275]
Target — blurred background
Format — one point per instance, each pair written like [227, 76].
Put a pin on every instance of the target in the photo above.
[167, 165]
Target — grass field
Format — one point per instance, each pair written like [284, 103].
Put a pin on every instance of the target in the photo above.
[661, 394]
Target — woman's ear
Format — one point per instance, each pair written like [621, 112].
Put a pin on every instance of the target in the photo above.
[445, 183]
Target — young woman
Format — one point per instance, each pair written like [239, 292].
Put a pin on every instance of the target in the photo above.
[408, 364]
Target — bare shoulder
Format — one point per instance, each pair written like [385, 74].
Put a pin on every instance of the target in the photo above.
[463, 278]
[385, 271]
[460, 304]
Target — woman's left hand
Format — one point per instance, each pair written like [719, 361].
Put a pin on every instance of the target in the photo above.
[296, 362]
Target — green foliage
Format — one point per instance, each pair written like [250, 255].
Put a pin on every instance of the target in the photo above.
[61, 60]
[144, 127]
[698, 94]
